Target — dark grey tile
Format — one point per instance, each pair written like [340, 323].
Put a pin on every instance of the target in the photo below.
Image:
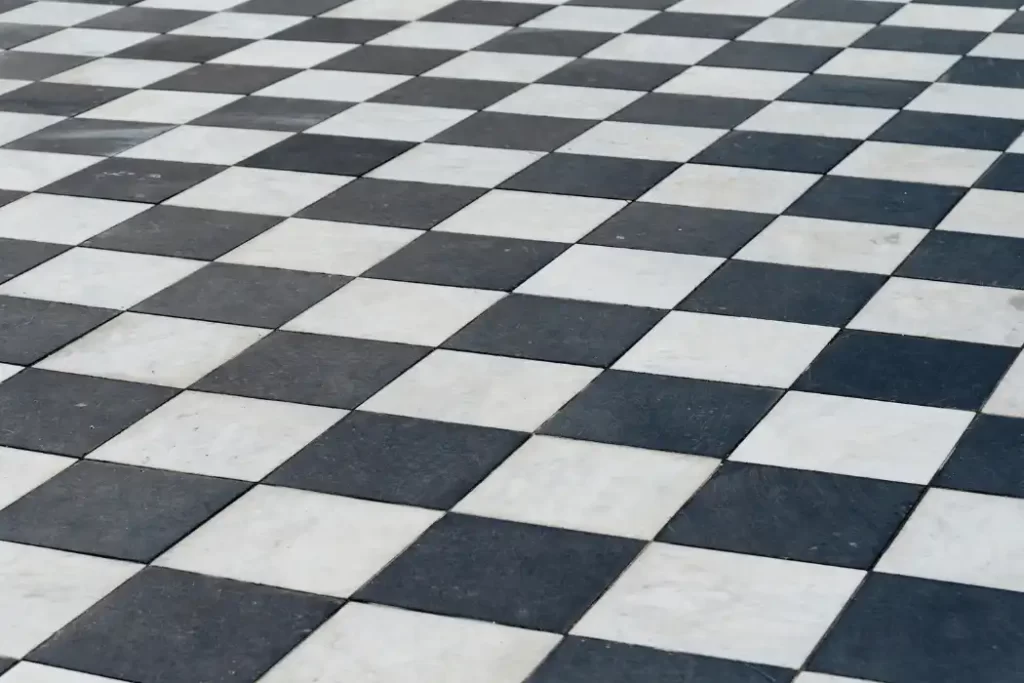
[495, 13]
[224, 78]
[146, 19]
[1007, 173]
[393, 203]
[858, 11]
[34, 66]
[31, 329]
[326, 30]
[777, 151]
[17, 256]
[988, 459]
[997, 73]
[272, 113]
[95, 137]
[690, 110]
[950, 130]
[913, 39]
[590, 176]
[388, 59]
[179, 48]
[427, 91]
[300, 8]
[546, 41]
[690, 25]
[605, 73]
[13, 35]
[854, 91]
[966, 258]
[877, 201]
[136, 180]
[513, 131]
[331, 154]
[774, 56]
[58, 99]
[6, 664]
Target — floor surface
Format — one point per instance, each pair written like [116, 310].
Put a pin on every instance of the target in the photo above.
[599, 341]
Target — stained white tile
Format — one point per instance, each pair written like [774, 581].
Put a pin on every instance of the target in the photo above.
[62, 219]
[987, 212]
[28, 171]
[161, 106]
[706, 602]
[949, 17]
[621, 276]
[300, 540]
[336, 86]
[395, 10]
[961, 537]
[499, 66]
[27, 672]
[827, 120]
[206, 145]
[566, 101]
[729, 187]
[456, 165]
[751, 8]
[1008, 398]
[15, 125]
[322, 246]
[840, 245]
[440, 36]
[643, 141]
[386, 310]
[807, 32]
[120, 73]
[291, 54]
[970, 100]
[635, 47]
[372, 643]
[88, 42]
[257, 190]
[714, 81]
[600, 488]
[22, 471]
[489, 391]
[600, 19]
[916, 163]
[239, 25]
[47, 13]
[391, 121]
[854, 436]
[892, 64]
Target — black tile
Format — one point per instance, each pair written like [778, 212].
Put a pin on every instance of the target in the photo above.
[70, 414]
[663, 413]
[625, 4]
[120, 511]
[427, 91]
[513, 131]
[777, 151]
[95, 137]
[8, 196]
[144, 19]
[591, 176]
[306, 368]
[689, 110]
[6, 664]
[17, 256]
[999, 4]
[969, 259]
[387, 59]
[586, 660]
[545, 41]
[519, 574]
[988, 459]
[398, 460]
[1006, 174]
[137, 180]
[330, 154]
[338, 30]
[606, 73]
[679, 229]
[908, 630]
[855, 91]
[31, 329]
[877, 201]
[393, 203]
[13, 35]
[686, 24]
[298, 8]
[913, 39]
[557, 330]
[166, 626]
[467, 261]
[859, 11]
[814, 296]
[184, 232]
[58, 99]
[998, 73]
[34, 66]
[774, 56]
[917, 370]
[793, 515]
[494, 13]
[224, 78]
[177, 48]
[950, 130]
[1015, 24]
[272, 113]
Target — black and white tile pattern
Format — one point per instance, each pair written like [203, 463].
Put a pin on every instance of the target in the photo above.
[511, 341]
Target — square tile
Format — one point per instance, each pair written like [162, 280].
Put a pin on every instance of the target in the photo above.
[31, 329]
[288, 54]
[669, 597]
[426, 91]
[724, 187]
[18, 256]
[826, 120]
[916, 163]
[55, 13]
[608, 19]
[499, 66]
[218, 436]
[391, 122]
[257, 190]
[663, 413]
[93, 137]
[137, 180]
[271, 113]
[750, 84]
[86, 42]
[877, 201]
[755, 8]
[118, 511]
[616, 74]
[396, 10]
[24, 470]
[27, 672]
[777, 152]
[773, 56]
[238, 25]
[60, 219]
[951, 130]
[987, 458]
[255, 540]
[338, 86]
[986, 212]
[161, 106]
[456, 165]
[657, 49]
[1008, 398]
[642, 141]
[957, 257]
[202, 144]
[547, 41]
[807, 32]
[444, 36]
[949, 16]
[338, 30]
[892, 64]
[144, 19]
[548, 576]
[565, 100]
[28, 171]
[476, 12]
[52, 99]
[328, 154]
[591, 176]
[386, 59]
[393, 203]
[182, 48]
[113, 72]
[18, 125]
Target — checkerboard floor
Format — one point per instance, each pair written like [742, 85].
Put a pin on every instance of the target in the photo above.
[532, 341]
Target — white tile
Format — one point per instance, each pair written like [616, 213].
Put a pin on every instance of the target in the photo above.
[206, 145]
[300, 540]
[707, 602]
[48, 13]
[62, 219]
[219, 435]
[161, 106]
[970, 100]
[322, 246]
[196, 5]
[14, 125]
[600, 19]
[566, 101]
[94, 277]
[634, 47]
[731, 187]
[855, 436]
[1008, 398]
[727, 349]
[714, 81]
[489, 391]
[257, 190]
[643, 141]
[153, 349]
[621, 276]
[391, 121]
[916, 163]
[292, 54]
[828, 120]
[807, 32]
[385, 310]
[239, 25]
[440, 36]
[336, 86]
[752, 8]
[906, 66]
[27, 672]
[22, 471]
[945, 310]
[41, 590]
[963, 538]
[395, 10]
[456, 165]
[88, 42]
[586, 486]
[499, 66]
[120, 73]
[376, 644]
[28, 171]
[948, 16]
[840, 245]
[1000, 46]
[531, 215]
